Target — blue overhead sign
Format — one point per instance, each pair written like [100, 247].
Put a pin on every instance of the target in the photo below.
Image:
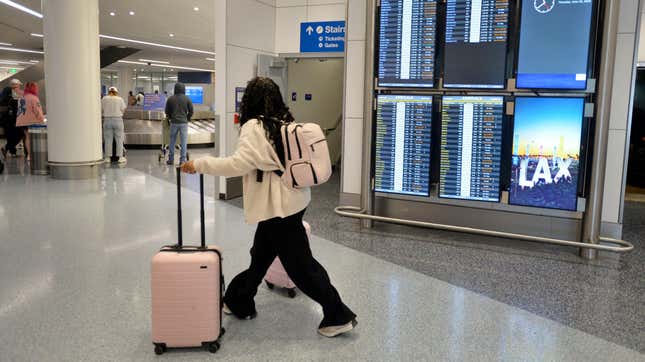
[323, 36]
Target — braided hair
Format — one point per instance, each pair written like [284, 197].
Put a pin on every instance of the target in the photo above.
[262, 100]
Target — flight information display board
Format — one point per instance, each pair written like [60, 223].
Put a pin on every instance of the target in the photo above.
[471, 147]
[407, 43]
[546, 152]
[403, 132]
[554, 44]
[475, 38]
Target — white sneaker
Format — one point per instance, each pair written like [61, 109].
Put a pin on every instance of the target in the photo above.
[107, 160]
[122, 160]
[333, 331]
[226, 310]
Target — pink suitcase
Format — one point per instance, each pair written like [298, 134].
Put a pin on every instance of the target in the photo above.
[277, 276]
[187, 289]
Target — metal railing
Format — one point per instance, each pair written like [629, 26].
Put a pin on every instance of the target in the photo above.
[358, 213]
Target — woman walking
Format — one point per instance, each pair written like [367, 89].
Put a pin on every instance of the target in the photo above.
[276, 208]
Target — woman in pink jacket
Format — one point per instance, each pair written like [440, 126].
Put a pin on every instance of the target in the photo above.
[30, 112]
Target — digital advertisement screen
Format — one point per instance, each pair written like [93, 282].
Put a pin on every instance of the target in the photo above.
[196, 94]
[471, 147]
[546, 152]
[554, 44]
[403, 133]
[407, 35]
[475, 38]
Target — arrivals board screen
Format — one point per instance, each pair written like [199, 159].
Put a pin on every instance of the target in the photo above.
[403, 132]
[554, 44]
[471, 147]
[475, 38]
[546, 152]
[407, 35]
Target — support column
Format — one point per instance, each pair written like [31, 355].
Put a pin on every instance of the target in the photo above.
[72, 64]
[593, 213]
[126, 84]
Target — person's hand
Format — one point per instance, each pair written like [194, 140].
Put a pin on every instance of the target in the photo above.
[188, 167]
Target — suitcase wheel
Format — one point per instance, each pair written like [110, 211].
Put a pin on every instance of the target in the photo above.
[291, 293]
[270, 285]
[160, 348]
[213, 347]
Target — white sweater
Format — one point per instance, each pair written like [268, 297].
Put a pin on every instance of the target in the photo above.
[113, 106]
[262, 200]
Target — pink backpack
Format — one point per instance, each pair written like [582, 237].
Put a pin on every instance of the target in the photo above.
[306, 155]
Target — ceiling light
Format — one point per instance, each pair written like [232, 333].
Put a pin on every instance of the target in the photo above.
[37, 35]
[22, 50]
[35, 61]
[213, 59]
[155, 44]
[6, 44]
[112, 13]
[11, 61]
[188, 68]
[154, 61]
[196, 8]
[25, 9]
[130, 62]
[171, 35]
[131, 12]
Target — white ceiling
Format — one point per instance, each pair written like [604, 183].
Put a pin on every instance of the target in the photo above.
[153, 21]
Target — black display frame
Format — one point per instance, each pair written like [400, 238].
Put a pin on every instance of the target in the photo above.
[511, 29]
[504, 125]
[591, 52]
[586, 122]
[432, 143]
[377, 53]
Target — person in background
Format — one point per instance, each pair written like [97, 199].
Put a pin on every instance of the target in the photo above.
[113, 107]
[30, 113]
[179, 111]
[165, 93]
[131, 99]
[139, 98]
[277, 208]
[12, 97]
[156, 92]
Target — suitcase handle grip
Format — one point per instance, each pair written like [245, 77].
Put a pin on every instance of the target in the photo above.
[180, 241]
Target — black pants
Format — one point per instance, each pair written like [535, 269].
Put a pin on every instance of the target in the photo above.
[286, 238]
[14, 135]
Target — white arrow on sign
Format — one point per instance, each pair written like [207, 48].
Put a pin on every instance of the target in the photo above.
[310, 30]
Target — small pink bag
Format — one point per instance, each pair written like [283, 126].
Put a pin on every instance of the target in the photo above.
[277, 276]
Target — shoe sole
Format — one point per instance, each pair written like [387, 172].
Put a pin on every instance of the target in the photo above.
[348, 327]
[229, 312]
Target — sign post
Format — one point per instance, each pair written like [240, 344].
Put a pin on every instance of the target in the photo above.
[323, 36]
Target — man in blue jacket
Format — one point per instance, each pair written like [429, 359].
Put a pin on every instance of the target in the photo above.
[179, 110]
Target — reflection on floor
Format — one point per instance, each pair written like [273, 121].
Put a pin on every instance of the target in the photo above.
[74, 282]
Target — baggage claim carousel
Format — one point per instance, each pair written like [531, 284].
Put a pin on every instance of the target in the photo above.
[144, 129]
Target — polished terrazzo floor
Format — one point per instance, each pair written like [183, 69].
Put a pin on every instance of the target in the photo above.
[74, 282]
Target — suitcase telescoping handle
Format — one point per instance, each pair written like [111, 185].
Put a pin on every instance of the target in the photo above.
[180, 241]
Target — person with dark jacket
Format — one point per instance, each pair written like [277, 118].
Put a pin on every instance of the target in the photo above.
[179, 110]
[10, 97]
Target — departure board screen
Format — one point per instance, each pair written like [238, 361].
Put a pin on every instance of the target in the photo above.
[554, 44]
[403, 132]
[546, 152]
[407, 43]
[476, 36]
[471, 147]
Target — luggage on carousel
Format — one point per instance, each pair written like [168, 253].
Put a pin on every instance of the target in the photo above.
[277, 276]
[187, 291]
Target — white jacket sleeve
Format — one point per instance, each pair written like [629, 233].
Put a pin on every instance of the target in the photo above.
[251, 154]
